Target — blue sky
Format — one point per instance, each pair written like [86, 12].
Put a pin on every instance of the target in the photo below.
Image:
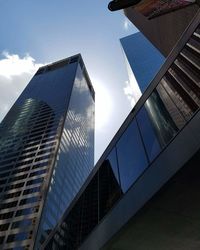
[38, 32]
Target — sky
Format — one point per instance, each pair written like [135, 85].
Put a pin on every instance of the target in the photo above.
[37, 32]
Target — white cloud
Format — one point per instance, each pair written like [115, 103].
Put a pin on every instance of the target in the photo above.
[127, 24]
[129, 92]
[13, 65]
[15, 73]
[103, 105]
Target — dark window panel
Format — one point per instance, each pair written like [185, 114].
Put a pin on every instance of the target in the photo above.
[22, 223]
[2, 239]
[90, 216]
[8, 205]
[40, 172]
[18, 237]
[32, 190]
[109, 187]
[35, 181]
[27, 211]
[4, 227]
[11, 195]
[5, 216]
[18, 185]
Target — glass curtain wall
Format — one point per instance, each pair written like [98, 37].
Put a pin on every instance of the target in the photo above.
[75, 157]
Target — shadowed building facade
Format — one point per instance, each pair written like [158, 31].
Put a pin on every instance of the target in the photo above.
[46, 152]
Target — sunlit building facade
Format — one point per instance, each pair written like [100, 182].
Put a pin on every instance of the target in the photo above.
[143, 192]
[46, 152]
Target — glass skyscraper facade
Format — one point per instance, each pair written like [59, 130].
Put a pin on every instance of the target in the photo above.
[142, 59]
[46, 152]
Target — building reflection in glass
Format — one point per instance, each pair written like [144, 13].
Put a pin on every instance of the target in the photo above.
[131, 156]
[75, 156]
[98, 198]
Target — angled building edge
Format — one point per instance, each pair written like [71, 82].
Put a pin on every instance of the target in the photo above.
[42, 164]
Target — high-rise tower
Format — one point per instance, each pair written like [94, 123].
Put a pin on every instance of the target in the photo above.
[46, 152]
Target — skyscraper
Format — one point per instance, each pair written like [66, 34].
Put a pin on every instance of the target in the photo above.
[46, 152]
[142, 59]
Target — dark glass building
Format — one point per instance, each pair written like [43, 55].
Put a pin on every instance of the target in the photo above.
[142, 58]
[144, 191]
[46, 152]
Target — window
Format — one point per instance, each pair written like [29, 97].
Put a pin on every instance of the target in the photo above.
[18, 185]
[27, 211]
[4, 227]
[17, 171]
[1, 239]
[5, 216]
[109, 186]
[40, 172]
[22, 223]
[39, 165]
[29, 200]
[11, 195]
[18, 237]
[8, 205]
[31, 190]
[35, 181]
[160, 119]
[18, 178]
[148, 133]
[131, 156]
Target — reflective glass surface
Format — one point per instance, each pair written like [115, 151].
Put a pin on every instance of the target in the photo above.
[161, 119]
[171, 106]
[148, 133]
[109, 186]
[75, 157]
[131, 156]
[113, 164]
[90, 211]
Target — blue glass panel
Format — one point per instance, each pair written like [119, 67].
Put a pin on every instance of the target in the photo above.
[131, 156]
[148, 133]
